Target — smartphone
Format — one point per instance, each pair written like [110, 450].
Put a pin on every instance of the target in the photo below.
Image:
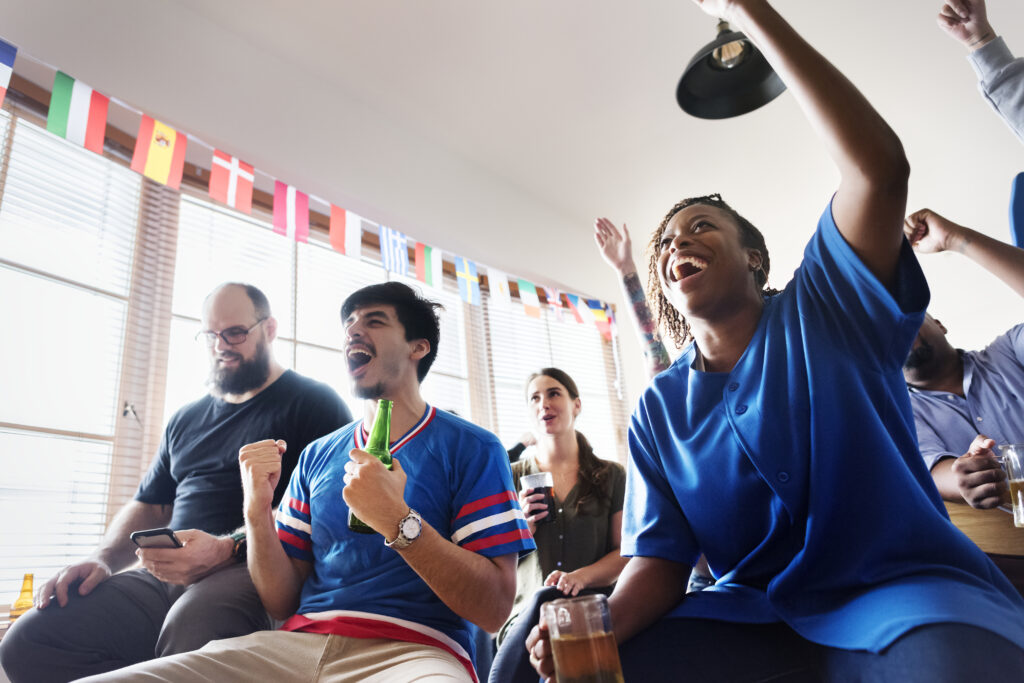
[155, 538]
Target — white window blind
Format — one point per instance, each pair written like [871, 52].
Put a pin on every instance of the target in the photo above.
[521, 345]
[68, 222]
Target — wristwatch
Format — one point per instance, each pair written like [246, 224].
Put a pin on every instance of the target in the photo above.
[238, 552]
[409, 529]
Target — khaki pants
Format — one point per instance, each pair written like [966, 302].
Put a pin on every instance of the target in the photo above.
[299, 657]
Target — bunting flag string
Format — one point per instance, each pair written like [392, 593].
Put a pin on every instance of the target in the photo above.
[394, 251]
[528, 295]
[429, 265]
[79, 114]
[469, 282]
[7, 54]
[159, 152]
[291, 212]
[346, 232]
[231, 181]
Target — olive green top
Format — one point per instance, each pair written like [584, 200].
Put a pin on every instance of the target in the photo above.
[573, 540]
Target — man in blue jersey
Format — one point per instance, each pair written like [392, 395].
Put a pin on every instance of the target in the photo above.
[392, 605]
[93, 617]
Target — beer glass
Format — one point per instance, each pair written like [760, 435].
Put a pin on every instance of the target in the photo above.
[582, 641]
[544, 483]
[1012, 459]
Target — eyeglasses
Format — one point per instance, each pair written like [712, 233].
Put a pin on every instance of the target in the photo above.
[232, 336]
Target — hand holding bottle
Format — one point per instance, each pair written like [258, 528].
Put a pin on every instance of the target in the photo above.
[374, 493]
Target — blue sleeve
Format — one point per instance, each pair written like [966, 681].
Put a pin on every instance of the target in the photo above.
[487, 517]
[653, 524]
[293, 519]
[159, 487]
[855, 312]
[1001, 81]
[933, 448]
[1010, 344]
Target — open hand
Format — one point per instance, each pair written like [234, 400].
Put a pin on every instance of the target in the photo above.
[88, 574]
[570, 583]
[616, 248]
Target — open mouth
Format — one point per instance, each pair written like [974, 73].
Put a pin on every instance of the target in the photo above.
[357, 360]
[687, 266]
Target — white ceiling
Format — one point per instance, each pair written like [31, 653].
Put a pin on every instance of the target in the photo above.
[499, 131]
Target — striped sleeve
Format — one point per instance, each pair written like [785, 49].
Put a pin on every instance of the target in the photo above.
[293, 519]
[487, 518]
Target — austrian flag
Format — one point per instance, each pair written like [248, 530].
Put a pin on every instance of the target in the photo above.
[231, 181]
[291, 212]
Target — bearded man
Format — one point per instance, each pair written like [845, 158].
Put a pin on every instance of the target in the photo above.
[98, 615]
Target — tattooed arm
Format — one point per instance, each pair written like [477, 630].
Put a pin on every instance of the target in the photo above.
[616, 249]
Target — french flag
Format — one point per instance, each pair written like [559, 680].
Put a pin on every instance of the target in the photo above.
[7, 54]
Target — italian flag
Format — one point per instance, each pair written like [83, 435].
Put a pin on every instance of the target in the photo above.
[429, 265]
[77, 113]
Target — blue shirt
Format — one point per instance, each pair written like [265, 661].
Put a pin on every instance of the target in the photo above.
[458, 480]
[797, 474]
[993, 402]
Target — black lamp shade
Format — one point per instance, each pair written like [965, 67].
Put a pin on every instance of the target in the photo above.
[709, 91]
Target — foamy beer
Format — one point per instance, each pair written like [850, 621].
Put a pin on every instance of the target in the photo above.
[582, 640]
[542, 483]
[1012, 460]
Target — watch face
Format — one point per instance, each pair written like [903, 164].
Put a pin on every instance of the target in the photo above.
[411, 528]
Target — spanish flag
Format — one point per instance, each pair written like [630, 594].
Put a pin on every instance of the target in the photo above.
[159, 152]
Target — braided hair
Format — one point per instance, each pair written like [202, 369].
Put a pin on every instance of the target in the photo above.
[666, 316]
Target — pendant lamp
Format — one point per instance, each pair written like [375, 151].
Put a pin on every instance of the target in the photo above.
[727, 77]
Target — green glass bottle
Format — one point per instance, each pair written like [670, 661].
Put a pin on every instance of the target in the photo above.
[378, 446]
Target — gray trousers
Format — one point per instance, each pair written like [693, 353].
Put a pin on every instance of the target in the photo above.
[131, 617]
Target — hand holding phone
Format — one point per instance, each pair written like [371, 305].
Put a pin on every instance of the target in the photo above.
[155, 538]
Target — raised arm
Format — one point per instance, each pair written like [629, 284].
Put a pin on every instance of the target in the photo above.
[966, 21]
[616, 249]
[278, 577]
[871, 200]
[930, 233]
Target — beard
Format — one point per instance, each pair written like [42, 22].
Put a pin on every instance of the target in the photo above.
[920, 356]
[250, 374]
[373, 391]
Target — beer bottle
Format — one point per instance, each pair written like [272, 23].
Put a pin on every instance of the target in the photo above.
[24, 601]
[378, 446]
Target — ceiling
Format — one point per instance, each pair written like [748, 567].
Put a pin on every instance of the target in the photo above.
[499, 131]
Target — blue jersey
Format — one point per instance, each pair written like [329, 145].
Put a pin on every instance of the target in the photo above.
[797, 473]
[459, 481]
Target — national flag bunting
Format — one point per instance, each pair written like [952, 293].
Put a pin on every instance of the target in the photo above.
[597, 309]
[159, 152]
[469, 282]
[497, 282]
[394, 251]
[429, 265]
[578, 308]
[231, 181]
[346, 232]
[7, 54]
[77, 113]
[528, 295]
[291, 212]
[555, 302]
